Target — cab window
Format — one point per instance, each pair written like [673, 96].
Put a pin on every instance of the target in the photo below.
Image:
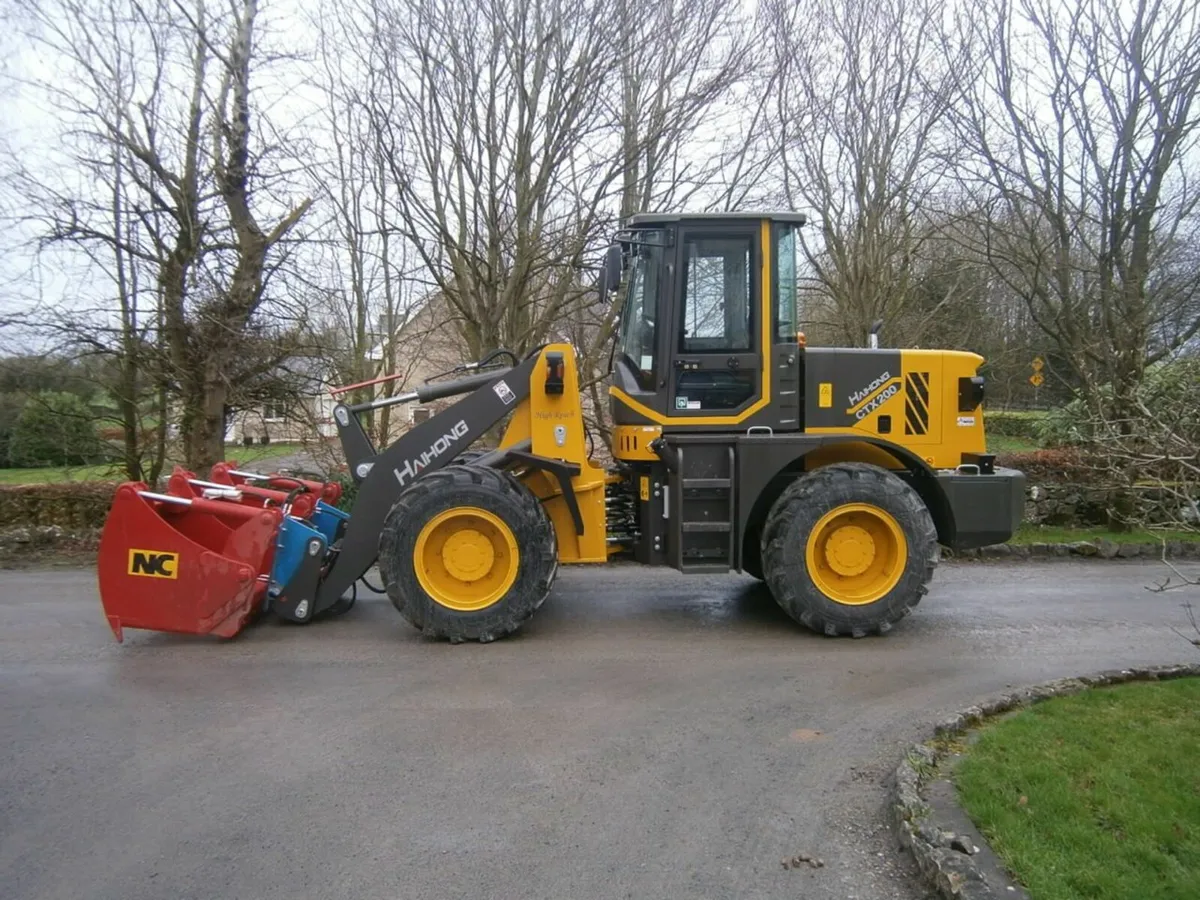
[716, 294]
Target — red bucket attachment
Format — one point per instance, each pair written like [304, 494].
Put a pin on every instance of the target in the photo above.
[228, 473]
[184, 484]
[183, 563]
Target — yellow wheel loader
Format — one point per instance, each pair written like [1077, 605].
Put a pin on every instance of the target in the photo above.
[831, 474]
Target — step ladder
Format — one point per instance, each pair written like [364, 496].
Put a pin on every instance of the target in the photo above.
[703, 507]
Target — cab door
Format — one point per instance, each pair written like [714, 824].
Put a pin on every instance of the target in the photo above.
[716, 365]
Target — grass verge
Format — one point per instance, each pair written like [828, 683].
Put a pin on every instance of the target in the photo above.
[1094, 795]
[1052, 534]
[54, 476]
[1002, 444]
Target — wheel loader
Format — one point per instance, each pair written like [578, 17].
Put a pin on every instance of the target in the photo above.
[832, 474]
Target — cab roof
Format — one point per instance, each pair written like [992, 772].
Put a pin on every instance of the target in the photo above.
[644, 219]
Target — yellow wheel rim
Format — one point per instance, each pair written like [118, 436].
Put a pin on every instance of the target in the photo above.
[856, 553]
[466, 558]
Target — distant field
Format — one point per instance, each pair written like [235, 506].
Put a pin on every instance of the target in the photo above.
[110, 472]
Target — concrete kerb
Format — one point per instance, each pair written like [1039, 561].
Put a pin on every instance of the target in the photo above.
[953, 864]
[1101, 549]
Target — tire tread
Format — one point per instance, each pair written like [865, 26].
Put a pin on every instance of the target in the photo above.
[525, 516]
[787, 576]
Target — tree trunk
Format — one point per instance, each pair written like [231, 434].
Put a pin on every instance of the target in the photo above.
[204, 410]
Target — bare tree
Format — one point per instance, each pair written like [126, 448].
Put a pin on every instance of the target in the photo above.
[679, 66]
[158, 94]
[485, 112]
[1151, 454]
[1083, 119]
[204, 345]
[517, 131]
[378, 314]
[93, 227]
[682, 133]
[861, 93]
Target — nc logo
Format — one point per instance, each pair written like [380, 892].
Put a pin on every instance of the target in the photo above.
[153, 563]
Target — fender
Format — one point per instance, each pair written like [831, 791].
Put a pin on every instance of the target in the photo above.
[768, 463]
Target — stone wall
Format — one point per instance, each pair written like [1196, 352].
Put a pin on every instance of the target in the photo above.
[1082, 505]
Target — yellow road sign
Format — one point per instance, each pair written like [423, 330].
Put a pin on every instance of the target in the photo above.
[1036, 379]
[1037, 364]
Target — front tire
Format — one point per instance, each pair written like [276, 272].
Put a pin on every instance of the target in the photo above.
[467, 553]
[849, 549]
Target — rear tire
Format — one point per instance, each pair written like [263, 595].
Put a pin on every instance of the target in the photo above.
[485, 549]
[849, 549]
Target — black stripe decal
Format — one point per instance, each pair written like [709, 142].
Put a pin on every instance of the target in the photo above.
[916, 407]
[911, 426]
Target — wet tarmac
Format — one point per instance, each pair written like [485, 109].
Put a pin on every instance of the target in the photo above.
[648, 735]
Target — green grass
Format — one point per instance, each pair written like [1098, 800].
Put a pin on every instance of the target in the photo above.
[1095, 795]
[1052, 534]
[1031, 415]
[1000, 443]
[259, 453]
[246, 456]
[53, 476]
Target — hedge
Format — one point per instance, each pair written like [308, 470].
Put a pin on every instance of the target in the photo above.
[1059, 465]
[72, 505]
[1013, 424]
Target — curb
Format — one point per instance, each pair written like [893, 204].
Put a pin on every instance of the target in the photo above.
[946, 861]
[1102, 549]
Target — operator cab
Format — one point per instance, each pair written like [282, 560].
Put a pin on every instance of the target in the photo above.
[707, 338]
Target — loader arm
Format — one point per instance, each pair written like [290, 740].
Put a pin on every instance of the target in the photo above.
[383, 476]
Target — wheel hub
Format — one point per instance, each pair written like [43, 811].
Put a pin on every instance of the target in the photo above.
[850, 550]
[856, 553]
[466, 558]
[468, 555]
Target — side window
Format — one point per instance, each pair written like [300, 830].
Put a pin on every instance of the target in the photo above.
[786, 322]
[716, 294]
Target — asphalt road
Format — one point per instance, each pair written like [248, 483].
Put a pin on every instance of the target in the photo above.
[647, 735]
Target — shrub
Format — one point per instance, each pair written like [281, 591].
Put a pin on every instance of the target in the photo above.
[54, 430]
[1013, 424]
[1167, 392]
[349, 490]
[10, 410]
[1066, 426]
[70, 505]
[1063, 465]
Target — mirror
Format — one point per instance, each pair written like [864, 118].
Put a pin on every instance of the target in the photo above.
[610, 271]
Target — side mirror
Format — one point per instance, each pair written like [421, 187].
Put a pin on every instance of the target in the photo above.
[610, 271]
